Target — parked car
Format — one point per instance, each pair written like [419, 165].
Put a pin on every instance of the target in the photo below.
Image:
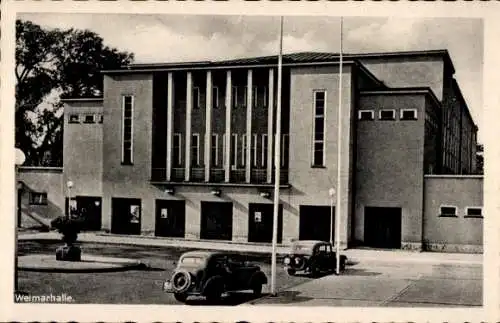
[210, 274]
[312, 257]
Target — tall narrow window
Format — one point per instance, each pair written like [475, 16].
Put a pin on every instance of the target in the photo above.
[195, 150]
[234, 96]
[284, 150]
[215, 97]
[243, 149]
[177, 152]
[234, 148]
[127, 129]
[255, 96]
[264, 150]
[196, 97]
[254, 150]
[319, 128]
[245, 95]
[215, 150]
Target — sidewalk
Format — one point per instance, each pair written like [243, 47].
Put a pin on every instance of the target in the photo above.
[391, 256]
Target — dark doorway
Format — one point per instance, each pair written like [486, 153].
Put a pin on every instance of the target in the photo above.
[125, 216]
[315, 223]
[170, 218]
[260, 222]
[88, 208]
[383, 227]
[216, 220]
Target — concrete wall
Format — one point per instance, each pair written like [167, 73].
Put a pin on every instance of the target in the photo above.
[126, 180]
[41, 180]
[311, 184]
[452, 234]
[82, 158]
[409, 72]
[390, 164]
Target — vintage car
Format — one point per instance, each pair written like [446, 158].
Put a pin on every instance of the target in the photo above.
[312, 257]
[211, 274]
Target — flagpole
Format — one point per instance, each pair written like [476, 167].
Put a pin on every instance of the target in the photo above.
[277, 160]
[339, 159]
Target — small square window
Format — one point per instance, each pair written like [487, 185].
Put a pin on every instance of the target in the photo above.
[448, 211]
[89, 119]
[38, 198]
[473, 212]
[100, 118]
[366, 115]
[74, 118]
[387, 114]
[408, 114]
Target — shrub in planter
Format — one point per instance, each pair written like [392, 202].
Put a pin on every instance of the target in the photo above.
[69, 228]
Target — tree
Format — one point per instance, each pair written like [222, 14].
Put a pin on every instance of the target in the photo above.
[479, 159]
[58, 63]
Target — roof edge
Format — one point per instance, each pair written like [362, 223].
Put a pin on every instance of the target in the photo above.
[404, 90]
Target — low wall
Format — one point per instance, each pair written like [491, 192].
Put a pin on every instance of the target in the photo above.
[459, 233]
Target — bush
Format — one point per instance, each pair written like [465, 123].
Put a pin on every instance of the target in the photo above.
[68, 227]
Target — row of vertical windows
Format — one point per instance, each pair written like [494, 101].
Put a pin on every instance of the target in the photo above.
[238, 94]
[238, 149]
[127, 129]
[319, 128]
[388, 114]
[85, 118]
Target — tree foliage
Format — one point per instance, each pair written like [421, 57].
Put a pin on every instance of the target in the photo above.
[63, 63]
[479, 159]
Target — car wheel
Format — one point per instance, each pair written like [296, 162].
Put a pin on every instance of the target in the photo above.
[180, 297]
[291, 271]
[257, 289]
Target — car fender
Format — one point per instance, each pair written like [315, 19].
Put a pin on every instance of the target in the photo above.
[213, 282]
[258, 277]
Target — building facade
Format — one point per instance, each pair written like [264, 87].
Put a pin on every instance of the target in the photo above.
[187, 151]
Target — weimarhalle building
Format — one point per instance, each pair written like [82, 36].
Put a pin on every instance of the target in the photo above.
[186, 150]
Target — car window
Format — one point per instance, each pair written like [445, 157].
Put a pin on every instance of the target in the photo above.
[322, 248]
[192, 260]
[329, 248]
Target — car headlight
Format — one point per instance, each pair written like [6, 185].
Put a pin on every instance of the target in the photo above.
[286, 261]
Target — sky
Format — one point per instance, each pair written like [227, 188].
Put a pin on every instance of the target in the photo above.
[176, 38]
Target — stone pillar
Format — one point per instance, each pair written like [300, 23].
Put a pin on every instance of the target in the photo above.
[248, 152]
[170, 123]
[270, 125]
[208, 126]
[227, 148]
[189, 108]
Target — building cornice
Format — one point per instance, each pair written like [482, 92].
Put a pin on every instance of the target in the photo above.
[454, 176]
[402, 91]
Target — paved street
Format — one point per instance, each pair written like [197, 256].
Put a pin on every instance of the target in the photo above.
[375, 278]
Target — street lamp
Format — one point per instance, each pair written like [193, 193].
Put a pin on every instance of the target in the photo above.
[20, 159]
[69, 185]
[331, 192]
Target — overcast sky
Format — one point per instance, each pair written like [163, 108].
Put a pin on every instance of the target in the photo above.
[168, 38]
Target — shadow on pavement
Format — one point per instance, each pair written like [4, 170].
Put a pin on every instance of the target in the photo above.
[284, 297]
[358, 272]
[232, 299]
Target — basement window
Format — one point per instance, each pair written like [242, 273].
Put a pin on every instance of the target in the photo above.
[408, 114]
[473, 212]
[89, 119]
[74, 118]
[366, 115]
[448, 211]
[387, 114]
[38, 198]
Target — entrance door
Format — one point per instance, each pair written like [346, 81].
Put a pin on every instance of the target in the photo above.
[216, 220]
[315, 223]
[90, 210]
[383, 227]
[260, 222]
[125, 216]
[170, 218]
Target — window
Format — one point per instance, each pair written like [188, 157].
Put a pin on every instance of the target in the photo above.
[254, 149]
[366, 115]
[387, 114]
[255, 96]
[177, 146]
[215, 97]
[215, 149]
[243, 149]
[74, 118]
[195, 149]
[234, 148]
[264, 150]
[319, 128]
[127, 130]
[234, 96]
[408, 114]
[100, 118]
[259, 96]
[473, 212]
[196, 97]
[89, 119]
[284, 150]
[38, 198]
[448, 211]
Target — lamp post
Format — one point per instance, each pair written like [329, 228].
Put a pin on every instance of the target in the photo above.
[20, 159]
[331, 192]
[69, 185]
